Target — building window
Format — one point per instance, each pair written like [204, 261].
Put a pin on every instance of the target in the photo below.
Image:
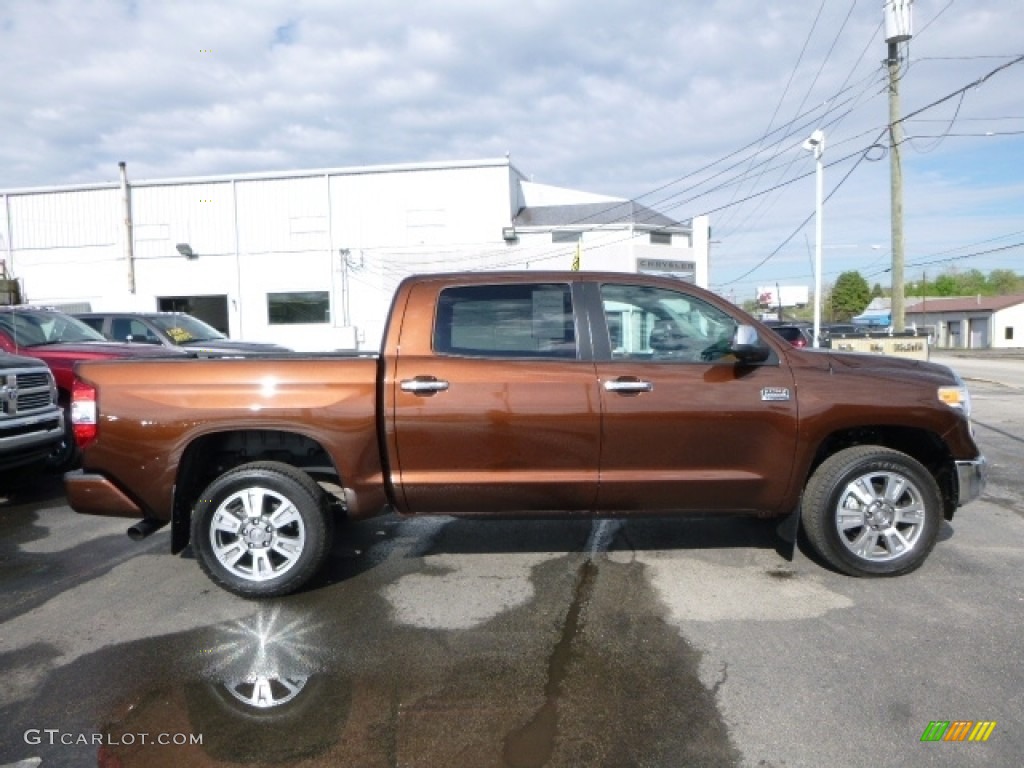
[565, 237]
[298, 308]
[661, 238]
[1008, 333]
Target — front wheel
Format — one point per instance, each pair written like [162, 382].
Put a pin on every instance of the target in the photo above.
[262, 529]
[872, 511]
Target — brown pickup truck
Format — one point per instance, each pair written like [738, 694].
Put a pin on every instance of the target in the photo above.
[530, 393]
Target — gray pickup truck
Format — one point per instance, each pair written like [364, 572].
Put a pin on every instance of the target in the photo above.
[31, 422]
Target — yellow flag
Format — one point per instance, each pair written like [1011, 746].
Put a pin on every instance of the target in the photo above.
[579, 252]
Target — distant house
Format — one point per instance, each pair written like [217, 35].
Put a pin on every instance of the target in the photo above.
[877, 314]
[973, 322]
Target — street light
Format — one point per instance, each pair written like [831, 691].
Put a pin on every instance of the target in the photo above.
[816, 144]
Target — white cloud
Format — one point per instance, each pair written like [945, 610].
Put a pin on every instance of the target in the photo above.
[615, 98]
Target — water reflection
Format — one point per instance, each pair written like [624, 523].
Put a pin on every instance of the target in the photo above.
[326, 679]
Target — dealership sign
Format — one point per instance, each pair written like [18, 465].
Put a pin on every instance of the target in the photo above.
[684, 270]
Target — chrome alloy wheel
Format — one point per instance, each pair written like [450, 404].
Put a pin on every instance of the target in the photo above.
[257, 534]
[880, 516]
[263, 692]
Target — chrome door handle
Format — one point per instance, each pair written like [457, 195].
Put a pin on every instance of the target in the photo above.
[424, 385]
[628, 386]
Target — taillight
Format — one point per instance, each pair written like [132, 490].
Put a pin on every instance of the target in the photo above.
[83, 412]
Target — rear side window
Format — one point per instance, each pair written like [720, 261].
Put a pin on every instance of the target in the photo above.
[529, 320]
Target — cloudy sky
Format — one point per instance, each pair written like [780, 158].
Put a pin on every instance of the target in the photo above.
[689, 107]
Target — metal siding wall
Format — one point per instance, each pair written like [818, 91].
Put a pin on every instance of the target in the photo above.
[285, 246]
[65, 245]
[399, 223]
[201, 215]
[65, 219]
[283, 215]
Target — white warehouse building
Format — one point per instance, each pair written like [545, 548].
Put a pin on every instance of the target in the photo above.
[310, 259]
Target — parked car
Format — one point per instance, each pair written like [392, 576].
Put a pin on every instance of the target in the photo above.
[797, 335]
[31, 422]
[175, 330]
[61, 341]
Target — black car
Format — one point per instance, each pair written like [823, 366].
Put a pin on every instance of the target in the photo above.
[176, 330]
[797, 335]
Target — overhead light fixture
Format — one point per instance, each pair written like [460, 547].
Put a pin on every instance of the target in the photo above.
[508, 234]
[186, 250]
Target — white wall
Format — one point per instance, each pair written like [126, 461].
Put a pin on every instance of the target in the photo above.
[352, 233]
[1011, 317]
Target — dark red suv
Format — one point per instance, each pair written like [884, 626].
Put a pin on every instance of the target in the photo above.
[61, 341]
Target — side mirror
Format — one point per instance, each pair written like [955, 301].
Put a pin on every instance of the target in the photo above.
[747, 345]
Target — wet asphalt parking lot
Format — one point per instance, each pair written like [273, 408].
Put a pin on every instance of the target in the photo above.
[443, 642]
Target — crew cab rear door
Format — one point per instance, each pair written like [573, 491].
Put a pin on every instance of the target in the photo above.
[685, 426]
[493, 403]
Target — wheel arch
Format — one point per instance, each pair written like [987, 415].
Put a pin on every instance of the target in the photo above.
[926, 447]
[211, 455]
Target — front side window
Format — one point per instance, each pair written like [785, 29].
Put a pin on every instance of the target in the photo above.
[305, 307]
[530, 320]
[128, 328]
[648, 323]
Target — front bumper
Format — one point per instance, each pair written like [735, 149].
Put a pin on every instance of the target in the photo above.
[971, 479]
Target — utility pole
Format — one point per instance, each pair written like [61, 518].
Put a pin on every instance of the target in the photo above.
[898, 23]
[129, 238]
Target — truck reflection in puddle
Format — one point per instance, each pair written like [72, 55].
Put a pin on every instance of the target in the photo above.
[547, 684]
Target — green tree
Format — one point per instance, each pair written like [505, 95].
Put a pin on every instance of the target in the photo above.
[1004, 282]
[850, 295]
[973, 282]
[945, 285]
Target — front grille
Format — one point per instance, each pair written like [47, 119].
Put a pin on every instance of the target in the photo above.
[33, 380]
[26, 391]
[29, 401]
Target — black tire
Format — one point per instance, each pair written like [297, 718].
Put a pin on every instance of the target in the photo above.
[66, 455]
[872, 511]
[244, 549]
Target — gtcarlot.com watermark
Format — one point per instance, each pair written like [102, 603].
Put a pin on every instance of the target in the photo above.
[55, 736]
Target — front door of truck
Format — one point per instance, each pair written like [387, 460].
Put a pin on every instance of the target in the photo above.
[685, 427]
[495, 406]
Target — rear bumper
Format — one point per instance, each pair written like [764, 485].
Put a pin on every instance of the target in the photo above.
[93, 494]
[971, 479]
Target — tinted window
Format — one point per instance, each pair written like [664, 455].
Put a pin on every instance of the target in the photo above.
[647, 323]
[531, 320]
[123, 328]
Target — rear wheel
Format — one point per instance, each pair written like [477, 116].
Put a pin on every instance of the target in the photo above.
[262, 529]
[872, 511]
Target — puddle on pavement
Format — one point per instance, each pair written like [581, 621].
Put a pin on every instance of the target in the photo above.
[586, 673]
[533, 744]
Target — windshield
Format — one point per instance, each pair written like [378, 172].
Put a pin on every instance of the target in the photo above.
[185, 329]
[30, 328]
